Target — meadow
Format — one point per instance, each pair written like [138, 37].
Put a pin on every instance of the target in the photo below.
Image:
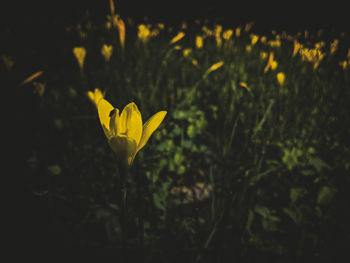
[252, 158]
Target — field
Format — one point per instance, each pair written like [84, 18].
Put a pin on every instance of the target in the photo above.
[252, 158]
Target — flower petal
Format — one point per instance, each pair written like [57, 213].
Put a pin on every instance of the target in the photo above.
[114, 122]
[104, 108]
[149, 127]
[124, 147]
[131, 122]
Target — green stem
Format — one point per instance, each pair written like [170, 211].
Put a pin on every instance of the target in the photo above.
[122, 171]
[139, 199]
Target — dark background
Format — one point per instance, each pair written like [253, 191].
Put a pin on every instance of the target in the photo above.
[286, 15]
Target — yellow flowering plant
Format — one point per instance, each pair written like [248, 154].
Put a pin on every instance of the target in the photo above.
[281, 77]
[80, 53]
[95, 96]
[107, 51]
[199, 42]
[125, 133]
[177, 38]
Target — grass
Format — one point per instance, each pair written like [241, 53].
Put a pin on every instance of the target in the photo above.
[270, 161]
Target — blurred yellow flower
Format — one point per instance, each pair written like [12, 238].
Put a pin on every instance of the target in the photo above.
[199, 42]
[143, 33]
[177, 47]
[274, 43]
[254, 39]
[160, 26]
[195, 63]
[215, 66]
[263, 39]
[186, 52]
[80, 53]
[248, 48]
[296, 48]
[248, 26]
[263, 55]
[314, 56]
[238, 31]
[111, 6]
[177, 38]
[343, 64]
[227, 34]
[244, 85]
[217, 31]
[274, 65]
[95, 96]
[107, 51]
[120, 25]
[125, 133]
[32, 77]
[320, 45]
[334, 46]
[271, 63]
[281, 78]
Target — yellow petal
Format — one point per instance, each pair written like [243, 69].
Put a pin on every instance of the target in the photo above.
[124, 147]
[104, 108]
[114, 122]
[149, 127]
[131, 122]
[98, 95]
[91, 96]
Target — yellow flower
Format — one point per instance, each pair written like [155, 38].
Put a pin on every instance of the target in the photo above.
[32, 77]
[274, 65]
[248, 26]
[95, 96]
[111, 6]
[186, 52]
[244, 85]
[254, 39]
[107, 51]
[195, 63]
[296, 48]
[248, 48]
[218, 30]
[80, 53]
[177, 38]
[120, 25]
[314, 56]
[215, 66]
[334, 46]
[238, 31]
[263, 55]
[199, 42]
[125, 133]
[271, 63]
[227, 34]
[143, 33]
[263, 39]
[343, 64]
[281, 78]
[274, 43]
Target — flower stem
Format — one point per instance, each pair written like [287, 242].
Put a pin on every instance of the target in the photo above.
[122, 171]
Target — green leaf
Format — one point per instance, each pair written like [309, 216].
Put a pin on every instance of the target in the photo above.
[325, 195]
[54, 169]
[318, 163]
[296, 193]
